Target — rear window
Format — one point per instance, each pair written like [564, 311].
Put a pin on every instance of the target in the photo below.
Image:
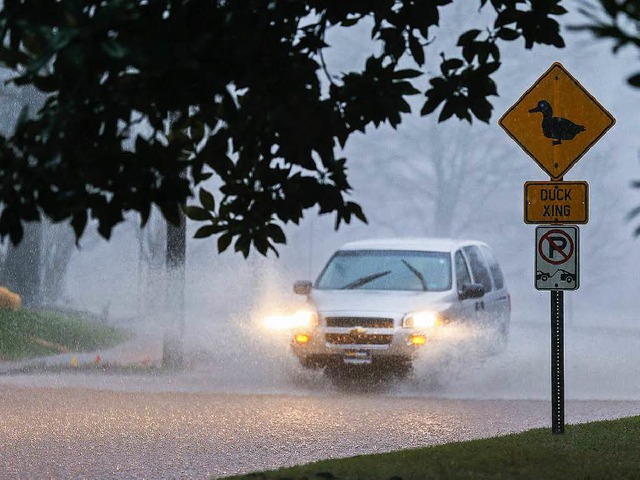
[387, 270]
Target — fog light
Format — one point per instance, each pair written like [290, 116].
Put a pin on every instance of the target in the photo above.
[418, 339]
[302, 338]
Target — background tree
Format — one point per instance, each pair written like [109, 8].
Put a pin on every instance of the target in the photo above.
[21, 272]
[618, 21]
[58, 246]
[21, 269]
[437, 182]
[252, 101]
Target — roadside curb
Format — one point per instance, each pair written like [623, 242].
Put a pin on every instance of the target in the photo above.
[142, 351]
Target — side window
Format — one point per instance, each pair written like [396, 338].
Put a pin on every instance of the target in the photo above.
[496, 273]
[478, 268]
[462, 272]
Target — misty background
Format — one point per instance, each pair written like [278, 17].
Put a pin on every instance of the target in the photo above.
[423, 179]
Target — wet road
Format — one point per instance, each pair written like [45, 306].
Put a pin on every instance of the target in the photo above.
[81, 433]
[230, 413]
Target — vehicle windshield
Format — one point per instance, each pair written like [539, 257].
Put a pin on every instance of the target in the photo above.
[387, 270]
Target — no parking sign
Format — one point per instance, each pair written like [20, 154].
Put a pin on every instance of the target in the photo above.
[557, 258]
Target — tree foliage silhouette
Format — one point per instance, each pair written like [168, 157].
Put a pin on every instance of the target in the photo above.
[251, 102]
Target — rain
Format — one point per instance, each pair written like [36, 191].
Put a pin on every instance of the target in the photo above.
[416, 166]
[422, 180]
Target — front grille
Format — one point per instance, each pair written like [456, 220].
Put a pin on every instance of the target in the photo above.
[357, 339]
[365, 322]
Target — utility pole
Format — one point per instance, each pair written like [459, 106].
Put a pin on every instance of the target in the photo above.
[173, 354]
[175, 260]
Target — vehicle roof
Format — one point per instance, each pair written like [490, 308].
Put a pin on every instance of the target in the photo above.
[417, 243]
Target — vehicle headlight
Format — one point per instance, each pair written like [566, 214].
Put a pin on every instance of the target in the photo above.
[422, 319]
[301, 319]
[305, 318]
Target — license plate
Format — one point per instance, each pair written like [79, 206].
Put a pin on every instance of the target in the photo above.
[362, 357]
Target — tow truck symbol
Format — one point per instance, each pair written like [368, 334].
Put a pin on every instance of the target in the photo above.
[544, 276]
[565, 276]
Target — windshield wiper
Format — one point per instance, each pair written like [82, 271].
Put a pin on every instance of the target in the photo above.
[417, 273]
[363, 280]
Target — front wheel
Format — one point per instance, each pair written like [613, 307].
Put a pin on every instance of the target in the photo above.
[310, 363]
[379, 369]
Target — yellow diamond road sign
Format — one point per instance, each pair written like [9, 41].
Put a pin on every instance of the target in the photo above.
[556, 121]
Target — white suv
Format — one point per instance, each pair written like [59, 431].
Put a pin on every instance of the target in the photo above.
[381, 302]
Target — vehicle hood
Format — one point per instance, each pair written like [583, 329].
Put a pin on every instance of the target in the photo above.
[398, 302]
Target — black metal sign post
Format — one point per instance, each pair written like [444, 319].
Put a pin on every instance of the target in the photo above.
[557, 361]
[557, 270]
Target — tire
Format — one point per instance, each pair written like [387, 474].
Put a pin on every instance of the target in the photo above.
[380, 371]
[309, 363]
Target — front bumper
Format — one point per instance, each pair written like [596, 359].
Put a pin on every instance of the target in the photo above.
[379, 337]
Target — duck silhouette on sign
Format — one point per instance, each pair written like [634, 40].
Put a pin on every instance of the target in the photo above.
[556, 128]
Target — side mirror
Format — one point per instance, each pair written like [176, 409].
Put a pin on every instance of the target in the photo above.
[302, 287]
[471, 290]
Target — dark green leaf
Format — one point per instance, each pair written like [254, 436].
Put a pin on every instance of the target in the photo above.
[633, 213]
[431, 104]
[79, 222]
[407, 74]
[207, 200]
[243, 245]
[224, 241]
[276, 233]
[197, 213]
[451, 64]
[416, 50]
[449, 109]
[634, 80]
[205, 231]
[468, 37]
[508, 34]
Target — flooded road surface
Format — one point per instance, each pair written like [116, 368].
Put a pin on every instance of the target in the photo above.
[245, 407]
[81, 433]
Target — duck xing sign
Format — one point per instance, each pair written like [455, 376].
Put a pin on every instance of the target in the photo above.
[556, 202]
[556, 121]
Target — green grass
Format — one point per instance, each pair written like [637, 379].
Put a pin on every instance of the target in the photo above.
[598, 450]
[26, 334]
